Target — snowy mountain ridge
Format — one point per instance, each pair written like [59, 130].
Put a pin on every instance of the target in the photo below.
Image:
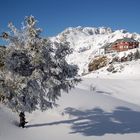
[86, 42]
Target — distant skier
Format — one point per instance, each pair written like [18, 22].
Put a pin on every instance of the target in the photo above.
[22, 120]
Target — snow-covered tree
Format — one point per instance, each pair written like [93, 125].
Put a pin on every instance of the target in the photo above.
[34, 71]
[137, 54]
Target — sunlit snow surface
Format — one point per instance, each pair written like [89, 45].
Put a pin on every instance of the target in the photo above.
[103, 106]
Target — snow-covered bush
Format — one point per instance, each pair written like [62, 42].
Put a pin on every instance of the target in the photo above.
[110, 68]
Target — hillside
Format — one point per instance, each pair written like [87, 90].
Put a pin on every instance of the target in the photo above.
[86, 42]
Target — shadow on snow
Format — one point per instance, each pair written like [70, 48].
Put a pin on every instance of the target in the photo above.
[96, 122]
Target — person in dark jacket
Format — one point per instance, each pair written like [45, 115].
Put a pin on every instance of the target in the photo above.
[22, 120]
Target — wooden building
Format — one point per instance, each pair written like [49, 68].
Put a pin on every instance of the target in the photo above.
[121, 45]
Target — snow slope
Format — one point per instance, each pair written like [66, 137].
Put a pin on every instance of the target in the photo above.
[86, 42]
[101, 107]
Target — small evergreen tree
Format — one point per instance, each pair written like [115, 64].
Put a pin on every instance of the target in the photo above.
[35, 70]
[137, 55]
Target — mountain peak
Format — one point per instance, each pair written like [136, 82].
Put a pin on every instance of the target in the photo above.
[87, 30]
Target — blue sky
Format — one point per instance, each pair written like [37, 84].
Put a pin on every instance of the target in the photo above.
[56, 15]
